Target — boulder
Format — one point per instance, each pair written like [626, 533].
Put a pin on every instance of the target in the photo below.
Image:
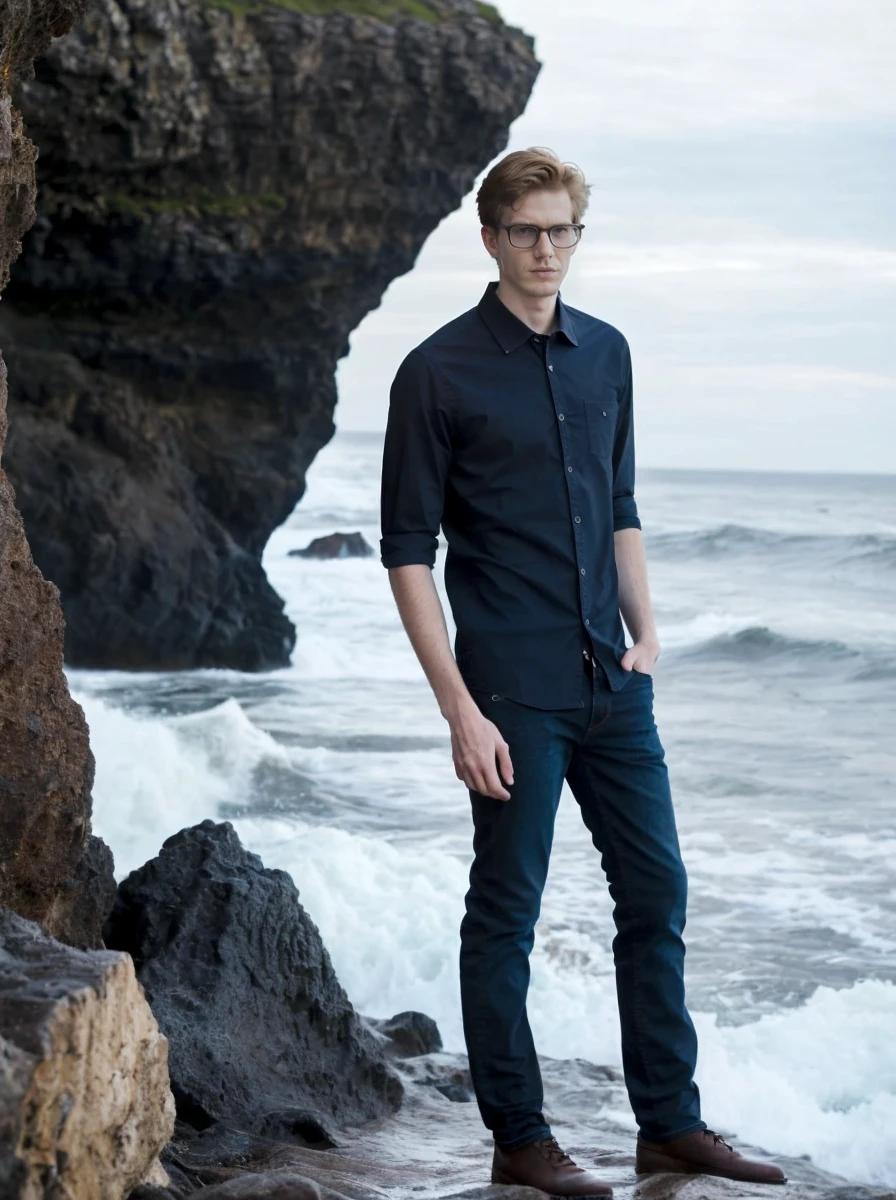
[85, 1106]
[262, 1033]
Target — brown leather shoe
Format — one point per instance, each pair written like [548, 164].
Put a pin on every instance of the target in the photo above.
[703, 1152]
[544, 1165]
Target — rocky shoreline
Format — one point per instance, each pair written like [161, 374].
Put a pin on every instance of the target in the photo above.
[209, 1048]
[183, 1031]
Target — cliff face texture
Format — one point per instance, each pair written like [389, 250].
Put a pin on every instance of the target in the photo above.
[226, 189]
[52, 869]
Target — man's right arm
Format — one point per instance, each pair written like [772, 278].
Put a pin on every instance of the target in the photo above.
[476, 742]
[416, 456]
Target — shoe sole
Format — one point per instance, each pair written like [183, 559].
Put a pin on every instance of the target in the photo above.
[676, 1168]
[500, 1177]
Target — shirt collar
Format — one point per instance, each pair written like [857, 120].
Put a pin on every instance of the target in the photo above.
[508, 329]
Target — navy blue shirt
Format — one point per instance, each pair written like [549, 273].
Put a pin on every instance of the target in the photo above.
[521, 447]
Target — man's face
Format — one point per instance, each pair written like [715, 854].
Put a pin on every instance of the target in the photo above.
[540, 270]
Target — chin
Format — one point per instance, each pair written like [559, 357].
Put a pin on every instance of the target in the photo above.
[542, 282]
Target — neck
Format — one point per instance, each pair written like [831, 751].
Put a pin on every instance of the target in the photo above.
[538, 312]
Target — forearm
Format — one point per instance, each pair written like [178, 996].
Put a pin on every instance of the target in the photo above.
[634, 590]
[423, 618]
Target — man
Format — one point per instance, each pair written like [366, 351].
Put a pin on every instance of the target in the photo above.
[511, 427]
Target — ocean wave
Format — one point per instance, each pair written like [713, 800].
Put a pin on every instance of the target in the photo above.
[730, 538]
[758, 643]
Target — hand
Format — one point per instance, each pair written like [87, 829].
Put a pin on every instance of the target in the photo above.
[476, 742]
[641, 656]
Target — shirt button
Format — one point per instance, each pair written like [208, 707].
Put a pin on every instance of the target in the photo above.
[578, 520]
[604, 411]
[560, 417]
[550, 367]
[535, 337]
[581, 570]
[587, 620]
[569, 468]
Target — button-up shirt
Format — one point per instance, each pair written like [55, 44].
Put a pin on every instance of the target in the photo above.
[520, 446]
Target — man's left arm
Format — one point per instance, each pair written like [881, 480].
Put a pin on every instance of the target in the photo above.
[628, 542]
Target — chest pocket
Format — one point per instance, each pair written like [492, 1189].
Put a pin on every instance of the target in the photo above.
[601, 410]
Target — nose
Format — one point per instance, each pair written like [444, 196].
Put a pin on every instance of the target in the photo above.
[544, 247]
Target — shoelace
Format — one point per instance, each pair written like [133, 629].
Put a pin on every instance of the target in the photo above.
[716, 1138]
[551, 1149]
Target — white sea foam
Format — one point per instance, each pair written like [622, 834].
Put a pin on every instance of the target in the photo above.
[155, 775]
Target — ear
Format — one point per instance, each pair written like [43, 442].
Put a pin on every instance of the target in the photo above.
[489, 240]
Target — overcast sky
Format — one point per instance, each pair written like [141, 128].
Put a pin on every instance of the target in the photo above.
[740, 230]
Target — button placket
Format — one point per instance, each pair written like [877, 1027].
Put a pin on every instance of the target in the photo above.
[577, 520]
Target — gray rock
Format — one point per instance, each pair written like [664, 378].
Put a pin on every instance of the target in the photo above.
[335, 545]
[409, 1033]
[242, 985]
[271, 1185]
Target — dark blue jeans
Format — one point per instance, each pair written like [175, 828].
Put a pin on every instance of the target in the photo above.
[610, 753]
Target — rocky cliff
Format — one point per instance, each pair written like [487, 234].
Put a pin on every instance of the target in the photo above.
[52, 869]
[226, 188]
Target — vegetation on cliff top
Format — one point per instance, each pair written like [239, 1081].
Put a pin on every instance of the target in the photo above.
[202, 201]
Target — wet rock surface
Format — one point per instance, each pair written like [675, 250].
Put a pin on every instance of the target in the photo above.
[434, 1149]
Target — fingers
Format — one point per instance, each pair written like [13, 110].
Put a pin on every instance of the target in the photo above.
[491, 785]
[505, 766]
[477, 766]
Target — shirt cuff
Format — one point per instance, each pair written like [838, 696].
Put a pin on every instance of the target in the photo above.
[625, 513]
[402, 549]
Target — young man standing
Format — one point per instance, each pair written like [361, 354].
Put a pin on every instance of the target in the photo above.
[511, 427]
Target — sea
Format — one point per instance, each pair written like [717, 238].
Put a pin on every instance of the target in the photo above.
[775, 699]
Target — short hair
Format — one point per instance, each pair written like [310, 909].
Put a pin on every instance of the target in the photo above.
[524, 171]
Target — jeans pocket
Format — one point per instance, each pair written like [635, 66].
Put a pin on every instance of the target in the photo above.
[642, 674]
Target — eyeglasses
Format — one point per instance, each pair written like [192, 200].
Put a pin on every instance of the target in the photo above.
[524, 237]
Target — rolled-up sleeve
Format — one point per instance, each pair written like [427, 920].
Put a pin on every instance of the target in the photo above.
[416, 455]
[625, 510]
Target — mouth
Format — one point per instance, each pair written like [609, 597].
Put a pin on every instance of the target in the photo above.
[544, 271]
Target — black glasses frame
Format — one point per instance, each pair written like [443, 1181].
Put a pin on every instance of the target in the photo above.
[578, 226]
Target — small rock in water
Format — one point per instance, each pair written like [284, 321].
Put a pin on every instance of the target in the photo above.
[410, 1032]
[336, 545]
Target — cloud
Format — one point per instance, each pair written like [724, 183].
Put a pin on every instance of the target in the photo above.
[653, 65]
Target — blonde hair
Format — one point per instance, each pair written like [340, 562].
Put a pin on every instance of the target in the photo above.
[524, 171]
